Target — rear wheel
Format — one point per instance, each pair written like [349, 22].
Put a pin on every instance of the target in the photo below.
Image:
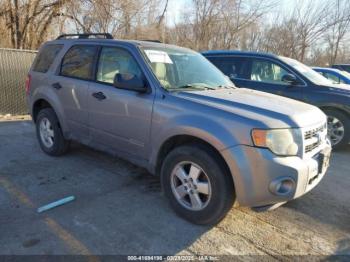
[49, 133]
[197, 185]
[338, 128]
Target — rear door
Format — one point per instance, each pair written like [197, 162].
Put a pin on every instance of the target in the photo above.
[71, 86]
[233, 67]
[120, 120]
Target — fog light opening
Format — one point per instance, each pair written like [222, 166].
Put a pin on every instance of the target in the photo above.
[282, 186]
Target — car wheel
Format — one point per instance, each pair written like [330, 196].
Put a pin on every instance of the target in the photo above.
[197, 185]
[49, 133]
[338, 128]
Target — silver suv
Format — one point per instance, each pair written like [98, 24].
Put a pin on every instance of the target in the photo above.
[169, 110]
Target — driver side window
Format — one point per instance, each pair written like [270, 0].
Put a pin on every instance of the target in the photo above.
[267, 71]
[333, 78]
[113, 61]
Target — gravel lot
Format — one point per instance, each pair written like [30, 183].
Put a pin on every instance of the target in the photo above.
[119, 209]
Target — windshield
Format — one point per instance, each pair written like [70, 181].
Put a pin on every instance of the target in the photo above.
[306, 71]
[345, 74]
[178, 69]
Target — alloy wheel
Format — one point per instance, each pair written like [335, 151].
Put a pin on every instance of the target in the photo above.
[191, 186]
[336, 130]
[47, 135]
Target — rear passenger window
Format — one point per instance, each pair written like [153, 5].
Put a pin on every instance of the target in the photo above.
[46, 57]
[78, 62]
[230, 66]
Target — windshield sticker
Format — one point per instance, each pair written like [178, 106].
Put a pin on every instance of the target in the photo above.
[156, 56]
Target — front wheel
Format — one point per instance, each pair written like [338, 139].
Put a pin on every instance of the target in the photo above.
[197, 185]
[338, 128]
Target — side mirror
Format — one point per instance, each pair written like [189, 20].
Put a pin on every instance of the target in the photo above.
[232, 76]
[289, 79]
[130, 82]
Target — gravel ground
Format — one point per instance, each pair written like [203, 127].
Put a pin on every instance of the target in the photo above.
[119, 209]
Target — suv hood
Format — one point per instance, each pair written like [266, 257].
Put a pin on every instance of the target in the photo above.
[272, 110]
[339, 88]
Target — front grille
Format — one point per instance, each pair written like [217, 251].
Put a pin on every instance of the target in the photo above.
[314, 137]
[313, 132]
[311, 147]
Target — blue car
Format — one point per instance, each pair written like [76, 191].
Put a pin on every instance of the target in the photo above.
[334, 75]
[288, 77]
[343, 67]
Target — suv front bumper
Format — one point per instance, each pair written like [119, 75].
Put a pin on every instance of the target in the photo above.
[262, 179]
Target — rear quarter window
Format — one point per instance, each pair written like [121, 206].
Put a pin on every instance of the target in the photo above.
[46, 57]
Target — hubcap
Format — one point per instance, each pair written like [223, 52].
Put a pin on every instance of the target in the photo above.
[335, 130]
[190, 186]
[46, 132]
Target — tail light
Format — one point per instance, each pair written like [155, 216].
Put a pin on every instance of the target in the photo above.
[28, 81]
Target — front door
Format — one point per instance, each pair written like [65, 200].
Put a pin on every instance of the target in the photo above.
[119, 119]
[266, 75]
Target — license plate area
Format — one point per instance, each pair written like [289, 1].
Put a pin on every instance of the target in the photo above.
[323, 161]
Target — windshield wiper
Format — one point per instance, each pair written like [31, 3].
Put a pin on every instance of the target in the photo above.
[227, 87]
[195, 87]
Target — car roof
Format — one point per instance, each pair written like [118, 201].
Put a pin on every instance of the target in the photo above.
[237, 52]
[341, 64]
[135, 43]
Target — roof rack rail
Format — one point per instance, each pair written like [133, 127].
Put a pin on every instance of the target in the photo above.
[85, 36]
[150, 40]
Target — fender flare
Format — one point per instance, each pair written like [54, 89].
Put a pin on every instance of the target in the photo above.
[54, 103]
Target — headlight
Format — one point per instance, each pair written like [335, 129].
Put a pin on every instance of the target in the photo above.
[283, 142]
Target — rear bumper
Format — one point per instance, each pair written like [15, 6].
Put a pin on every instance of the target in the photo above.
[258, 174]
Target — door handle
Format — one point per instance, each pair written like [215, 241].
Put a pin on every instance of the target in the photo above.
[56, 86]
[99, 96]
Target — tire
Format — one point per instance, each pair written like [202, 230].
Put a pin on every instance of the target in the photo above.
[344, 120]
[221, 195]
[56, 146]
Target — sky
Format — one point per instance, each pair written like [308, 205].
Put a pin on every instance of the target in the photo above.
[176, 7]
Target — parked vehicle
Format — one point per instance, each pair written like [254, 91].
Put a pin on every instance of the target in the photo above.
[169, 110]
[343, 67]
[334, 75]
[290, 78]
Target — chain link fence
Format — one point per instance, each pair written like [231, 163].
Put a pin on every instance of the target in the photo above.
[14, 67]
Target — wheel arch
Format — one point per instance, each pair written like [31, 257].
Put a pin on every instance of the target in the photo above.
[342, 111]
[336, 108]
[179, 140]
[41, 103]
[38, 106]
